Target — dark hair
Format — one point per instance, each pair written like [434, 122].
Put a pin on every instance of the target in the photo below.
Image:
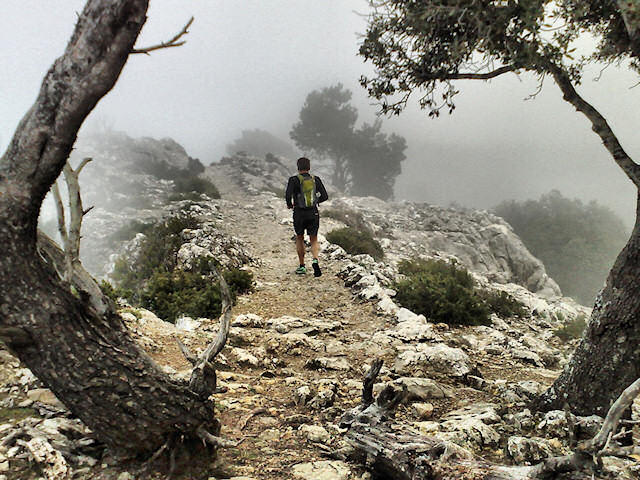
[304, 164]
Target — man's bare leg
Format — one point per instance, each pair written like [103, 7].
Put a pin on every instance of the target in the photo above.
[315, 250]
[315, 247]
[300, 248]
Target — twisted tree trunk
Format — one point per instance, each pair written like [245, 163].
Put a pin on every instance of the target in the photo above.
[86, 358]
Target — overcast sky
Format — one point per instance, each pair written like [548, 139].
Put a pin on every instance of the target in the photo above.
[250, 64]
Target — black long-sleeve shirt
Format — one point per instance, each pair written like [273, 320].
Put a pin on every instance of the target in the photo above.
[294, 189]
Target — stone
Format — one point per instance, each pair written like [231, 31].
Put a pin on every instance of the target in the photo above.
[416, 330]
[523, 450]
[302, 395]
[46, 397]
[315, 433]
[424, 411]
[187, 324]
[329, 363]
[324, 399]
[472, 426]
[244, 357]
[419, 389]
[126, 476]
[438, 358]
[558, 423]
[322, 470]
[249, 320]
[406, 315]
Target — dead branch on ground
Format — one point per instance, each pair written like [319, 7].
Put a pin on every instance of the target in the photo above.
[401, 456]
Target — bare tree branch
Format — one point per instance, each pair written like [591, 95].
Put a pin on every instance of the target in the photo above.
[369, 381]
[217, 441]
[187, 353]
[474, 76]
[203, 375]
[62, 222]
[174, 42]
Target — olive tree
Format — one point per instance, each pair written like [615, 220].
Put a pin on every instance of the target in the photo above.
[432, 46]
[81, 351]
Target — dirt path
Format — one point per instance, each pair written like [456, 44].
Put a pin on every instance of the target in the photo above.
[259, 405]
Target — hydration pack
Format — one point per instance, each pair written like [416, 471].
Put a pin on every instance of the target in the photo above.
[307, 197]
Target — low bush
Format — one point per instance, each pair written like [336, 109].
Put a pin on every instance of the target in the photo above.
[356, 242]
[441, 291]
[571, 329]
[153, 280]
[503, 304]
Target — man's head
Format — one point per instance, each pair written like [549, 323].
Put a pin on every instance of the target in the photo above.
[304, 164]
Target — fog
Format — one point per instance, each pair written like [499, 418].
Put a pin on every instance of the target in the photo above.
[249, 64]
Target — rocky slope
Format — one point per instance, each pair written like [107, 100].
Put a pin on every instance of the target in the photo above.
[299, 345]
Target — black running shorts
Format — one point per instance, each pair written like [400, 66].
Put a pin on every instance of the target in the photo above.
[306, 219]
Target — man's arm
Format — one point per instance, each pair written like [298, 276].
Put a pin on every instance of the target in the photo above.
[321, 190]
[288, 195]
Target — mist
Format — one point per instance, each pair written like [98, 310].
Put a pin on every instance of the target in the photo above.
[250, 64]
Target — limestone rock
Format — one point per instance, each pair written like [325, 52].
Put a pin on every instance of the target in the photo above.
[523, 450]
[329, 363]
[315, 433]
[46, 397]
[322, 470]
[187, 324]
[420, 389]
[249, 320]
[472, 427]
[438, 358]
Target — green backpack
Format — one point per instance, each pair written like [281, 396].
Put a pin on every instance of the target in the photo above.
[307, 197]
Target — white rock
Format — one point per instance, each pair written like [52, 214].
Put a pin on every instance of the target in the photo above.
[525, 450]
[404, 315]
[249, 320]
[302, 395]
[438, 358]
[315, 433]
[245, 357]
[46, 397]
[187, 324]
[418, 389]
[322, 470]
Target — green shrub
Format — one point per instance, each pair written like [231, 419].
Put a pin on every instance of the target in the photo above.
[189, 184]
[441, 291]
[172, 294]
[503, 304]
[239, 281]
[356, 242]
[114, 293]
[153, 280]
[571, 329]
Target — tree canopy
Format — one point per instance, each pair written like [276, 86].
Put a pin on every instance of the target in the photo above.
[361, 161]
[577, 242]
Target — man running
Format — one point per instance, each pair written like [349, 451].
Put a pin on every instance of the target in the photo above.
[304, 193]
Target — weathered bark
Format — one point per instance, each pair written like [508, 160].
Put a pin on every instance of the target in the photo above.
[606, 360]
[87, 359]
